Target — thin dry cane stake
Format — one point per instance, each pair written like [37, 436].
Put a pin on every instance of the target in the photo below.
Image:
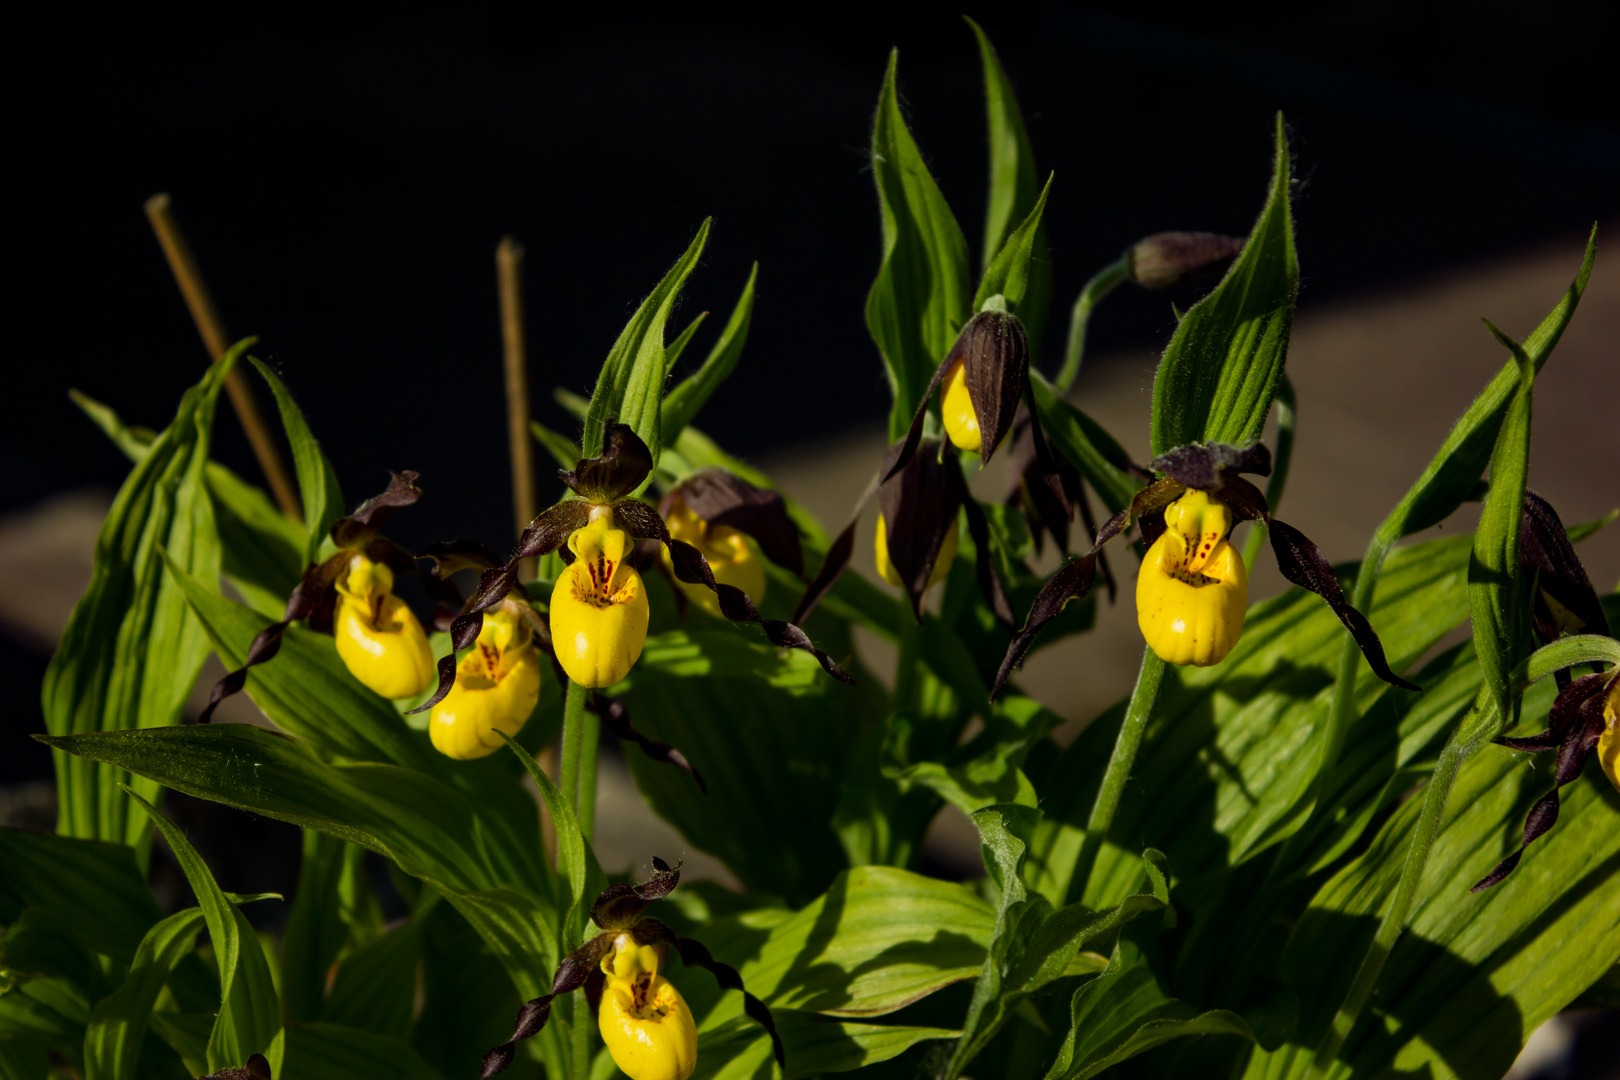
[160, 212]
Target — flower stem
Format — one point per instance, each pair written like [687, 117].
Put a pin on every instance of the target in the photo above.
[1101, 284]
[581, 729]
[1478, 726]
[907, 672]
[1120, 762]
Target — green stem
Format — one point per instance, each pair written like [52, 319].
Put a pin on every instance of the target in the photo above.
[1470, 734]
[907, 666]
[581, 729]
[1119, 763]
[1101, 284]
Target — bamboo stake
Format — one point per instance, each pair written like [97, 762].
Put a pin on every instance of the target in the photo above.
[160, 212]
[509, 277]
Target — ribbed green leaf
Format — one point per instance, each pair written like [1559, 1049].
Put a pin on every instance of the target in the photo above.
[112, 1042]
[318, 924]
[427, 827]
[1494, 595]
[1009, 272]
[375, 988]
[630, 388]
[1014, 187]
[814, 1045]
[317, 481]
[578, 874]
[920, 298]
[684, 400]
[331, 1052]
[132, 649]
[1474, 974]
[739, 711]
[249, 1014]
[95, 886]
[1221, 369]
[42, 943]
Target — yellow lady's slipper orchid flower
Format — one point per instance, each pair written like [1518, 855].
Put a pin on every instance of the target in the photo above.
[885, 569]
[378, 637]
[496, 688]
[643, 1019]
[956, 409]
[599, 606]
[1193, 589]
[731, 557]
[1608, 747]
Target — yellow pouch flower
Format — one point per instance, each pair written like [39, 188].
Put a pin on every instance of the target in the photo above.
[1193, 590]
[956, 410]
[378, 638]
[731, 557]
[497, 686]
[643, 1019]
[599, 607]
[1608, 747]
[886, 570]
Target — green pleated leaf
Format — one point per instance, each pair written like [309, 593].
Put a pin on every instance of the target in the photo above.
[1009, 272]
[1474, 974]
[630, 388]
[112, 1041]
[132, 649]
[1494, 593]
[1229, 749]
[333, 1052]
[688, 396]
[317, 481]
[96, 887]
[814, 1045]
[375, 988]
[427, 827]
[1452, 476]
[1015, 186]
[1125, 1012]
[578, 874]
[319, 922]
[249, 1014]
[920, 298]
[740, 710]
[1221, 369]
[42, 943]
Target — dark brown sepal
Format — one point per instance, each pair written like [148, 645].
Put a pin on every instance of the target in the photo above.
[1577, 722]
[618, 906]
[616, 718]
[984, 565]
[532, 1015]
[1071, 582]
[693, 953]
[257, 1068]
[919, 504]
[306, 599]
[1545, 547]
[550, 530]
[639, 520]
[1163, 259]
[370, 516]
[995, 367]
[723, 498]
[625, 462]
[1203, 465]
[1303, 563]
[691, 567]
[1150, 500]
[897, 458]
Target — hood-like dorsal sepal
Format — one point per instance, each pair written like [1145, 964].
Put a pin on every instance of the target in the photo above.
[370, 516]
[1204, 465]
[1544, 546]
[623, 465]
[721, 497]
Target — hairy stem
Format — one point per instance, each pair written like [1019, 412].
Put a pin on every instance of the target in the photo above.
[581, 729]
[1119, 763]
[1101, 284]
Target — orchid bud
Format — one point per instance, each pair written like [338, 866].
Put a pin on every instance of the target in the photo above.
[983, 383]
[643, 1019]
[497, 686]
[1163, 259]
[599, 606]
[731, 556]
[1193, 590]
[378, 638]
[942, 562]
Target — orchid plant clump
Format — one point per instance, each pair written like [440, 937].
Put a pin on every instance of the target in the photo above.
[1272, 841]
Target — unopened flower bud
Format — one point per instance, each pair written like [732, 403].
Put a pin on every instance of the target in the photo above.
[1608, 747]
[378, 638]
[643, 1019]
[982, 386]
[886, 570]
[956, 408]
[1163, 259]
[497, 686]
[1192, 591]
[599, 607]
[731, 557]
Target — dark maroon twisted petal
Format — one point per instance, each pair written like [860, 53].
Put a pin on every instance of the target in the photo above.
[616, 718]
[693, 953]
